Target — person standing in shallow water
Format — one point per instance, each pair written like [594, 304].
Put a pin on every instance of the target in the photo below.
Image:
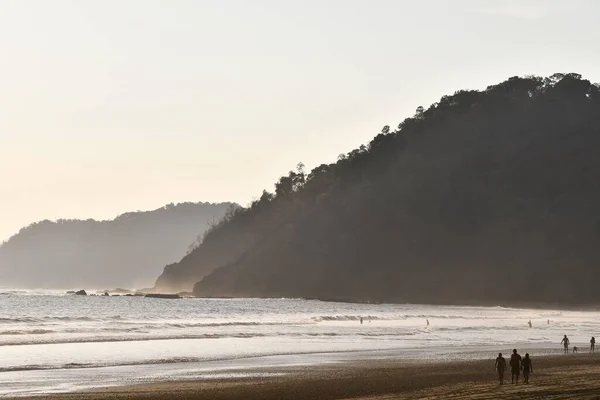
[565, 342]
[592, 345]
[500, 366]
[527, 368]
[515, 366]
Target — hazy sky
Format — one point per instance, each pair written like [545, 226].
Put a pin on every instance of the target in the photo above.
[111, 106]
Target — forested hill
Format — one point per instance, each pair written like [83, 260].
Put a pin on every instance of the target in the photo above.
[129, 251]
[485, 196]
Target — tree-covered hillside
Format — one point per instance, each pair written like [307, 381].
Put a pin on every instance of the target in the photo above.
[128, 251]
[485, 196]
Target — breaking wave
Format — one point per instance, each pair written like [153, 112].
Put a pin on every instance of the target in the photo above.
[27, 332]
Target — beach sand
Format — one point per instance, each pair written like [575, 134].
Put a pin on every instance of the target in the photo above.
[555, 377]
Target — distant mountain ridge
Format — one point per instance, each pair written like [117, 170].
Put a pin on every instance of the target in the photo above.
[486, 196]
[128, 251]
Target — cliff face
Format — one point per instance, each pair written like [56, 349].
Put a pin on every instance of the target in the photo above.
[487, 196]
[128, 251]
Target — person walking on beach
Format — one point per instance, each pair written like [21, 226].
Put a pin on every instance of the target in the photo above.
[515, 366]
[500, 366]
[565, 342]
[427, 322]
[592, 345]
[527, 368]
[530, 325]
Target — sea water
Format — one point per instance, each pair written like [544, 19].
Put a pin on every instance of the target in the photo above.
[53, 342]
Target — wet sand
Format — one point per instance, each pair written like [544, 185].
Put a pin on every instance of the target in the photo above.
[555, 377]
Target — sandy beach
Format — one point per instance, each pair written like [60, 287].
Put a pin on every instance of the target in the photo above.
[555, 377]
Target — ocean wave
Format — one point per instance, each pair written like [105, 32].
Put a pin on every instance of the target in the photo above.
[191, 324]
[56, 319]
[174, 360]
[445, 316]
[27, 332]
[112, 339]
[398, 317]
[116, 330]
[478, 328]
[37, 367]
[209, 324]
[17, 320]
[186, 324]
[349, 318]
[68, 319]
[390, 335]
[159, 361]
[325, 334]
[143, 337]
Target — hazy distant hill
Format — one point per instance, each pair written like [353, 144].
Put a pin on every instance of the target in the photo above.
[129, 251]
[485, 196]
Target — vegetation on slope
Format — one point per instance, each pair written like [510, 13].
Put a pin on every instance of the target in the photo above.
[485, 196]
[128, 251]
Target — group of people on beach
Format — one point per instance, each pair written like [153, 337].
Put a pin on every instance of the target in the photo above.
[520, 364]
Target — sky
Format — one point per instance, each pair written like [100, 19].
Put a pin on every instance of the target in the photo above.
[114, 106]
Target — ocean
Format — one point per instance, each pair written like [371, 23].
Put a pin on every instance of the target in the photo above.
[52, 342]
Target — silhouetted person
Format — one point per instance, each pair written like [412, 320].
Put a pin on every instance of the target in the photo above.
[500, 366]
[427, 322]
[592, 344]
[361, 320]
[530, 325]
[565, 342]
[515, 366]
[527, 368]
[548, 322]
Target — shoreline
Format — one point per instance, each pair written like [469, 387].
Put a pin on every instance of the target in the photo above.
[555, 376]
[528, 305]
[533, 305]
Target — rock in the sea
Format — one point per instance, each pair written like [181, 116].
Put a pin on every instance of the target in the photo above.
[106, 294]
[81, 292]
[163, 296]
